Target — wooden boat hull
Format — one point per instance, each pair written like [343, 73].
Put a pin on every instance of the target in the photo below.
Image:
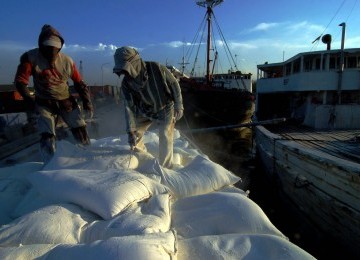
[326, 189]
[216, 107]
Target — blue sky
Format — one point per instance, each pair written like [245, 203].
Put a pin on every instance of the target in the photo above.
[162, 30]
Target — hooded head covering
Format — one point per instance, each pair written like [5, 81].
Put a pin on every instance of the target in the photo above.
[128, 59]
[49, 36]
[53, 41]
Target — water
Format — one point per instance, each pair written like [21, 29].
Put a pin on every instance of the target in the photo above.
[238, 154]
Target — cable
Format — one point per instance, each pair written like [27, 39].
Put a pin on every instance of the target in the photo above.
[337, 11]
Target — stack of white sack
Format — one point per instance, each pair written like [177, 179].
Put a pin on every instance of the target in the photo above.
[106, 202]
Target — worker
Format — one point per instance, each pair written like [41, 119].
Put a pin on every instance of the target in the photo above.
[51, 70]
[151, 93]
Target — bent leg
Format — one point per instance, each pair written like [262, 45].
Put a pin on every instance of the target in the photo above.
[77, 125]
[46, 126]
[142, 125]
[80, 134]
[47, 146]
[166, 137]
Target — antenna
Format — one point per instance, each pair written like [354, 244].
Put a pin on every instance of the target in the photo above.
[81, 69]
[209, 3]
[183, 63]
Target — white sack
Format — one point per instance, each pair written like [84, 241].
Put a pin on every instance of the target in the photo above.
[49, 225]
[24, 252]
[220, 213]
[17, 171]
[150, 216]
[13, 187]
[198, 177]
[240, 247]
[149, 246]
[118, 142]
[11, 193]
[32, 201]
[70, 156]
[144, 160]
[106, 193]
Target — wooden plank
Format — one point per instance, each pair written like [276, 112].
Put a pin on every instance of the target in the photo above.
[15, 146]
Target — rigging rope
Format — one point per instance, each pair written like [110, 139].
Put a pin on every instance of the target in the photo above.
[337, 11]
[193, 43]
[228, 54]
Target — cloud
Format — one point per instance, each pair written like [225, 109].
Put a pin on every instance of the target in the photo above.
[264, 26]
[175, 44]
[172, 44]
[242, 45]
[304, 25]
[14, 46]
[88, 48]
[353, 42]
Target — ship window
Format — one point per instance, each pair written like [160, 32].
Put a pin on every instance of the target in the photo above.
[296, 65]
[307, 65]
[334, 61]
[351, 62]
[348, 97]
[324, 63]
[288, 69]
[317, 63]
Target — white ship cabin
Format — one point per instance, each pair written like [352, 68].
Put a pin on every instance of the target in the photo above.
[321, 89]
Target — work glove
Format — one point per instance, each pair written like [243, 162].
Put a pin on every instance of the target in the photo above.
[178, 114]
[87, 105]
[133, 139]
[90, 114]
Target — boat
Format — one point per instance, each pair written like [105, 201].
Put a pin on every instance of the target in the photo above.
[313, 157]
[216, 98]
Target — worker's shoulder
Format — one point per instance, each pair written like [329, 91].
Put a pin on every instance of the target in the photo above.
[26, 56]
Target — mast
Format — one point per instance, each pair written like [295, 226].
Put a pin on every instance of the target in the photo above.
[209, 4]
[208, 44]
[343, 25]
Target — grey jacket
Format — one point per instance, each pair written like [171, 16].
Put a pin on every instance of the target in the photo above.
[160, 90]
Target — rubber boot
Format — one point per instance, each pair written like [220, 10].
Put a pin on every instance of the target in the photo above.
[47, 146]
[81, 135]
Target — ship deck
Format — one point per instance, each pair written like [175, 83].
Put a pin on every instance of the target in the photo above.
[344, 144]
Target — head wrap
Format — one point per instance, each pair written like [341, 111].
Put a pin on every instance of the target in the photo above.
[53, 41]
[127, 59]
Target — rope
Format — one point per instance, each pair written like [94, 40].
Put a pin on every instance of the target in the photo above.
[337, 11]
[209, 129]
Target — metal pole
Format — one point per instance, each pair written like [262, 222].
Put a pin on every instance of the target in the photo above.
[341, 62]
[210, 129]
[208, 79]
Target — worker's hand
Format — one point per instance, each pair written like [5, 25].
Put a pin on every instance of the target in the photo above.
[133, 139]
[178, 114]
[87, 106]
[89, 114]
